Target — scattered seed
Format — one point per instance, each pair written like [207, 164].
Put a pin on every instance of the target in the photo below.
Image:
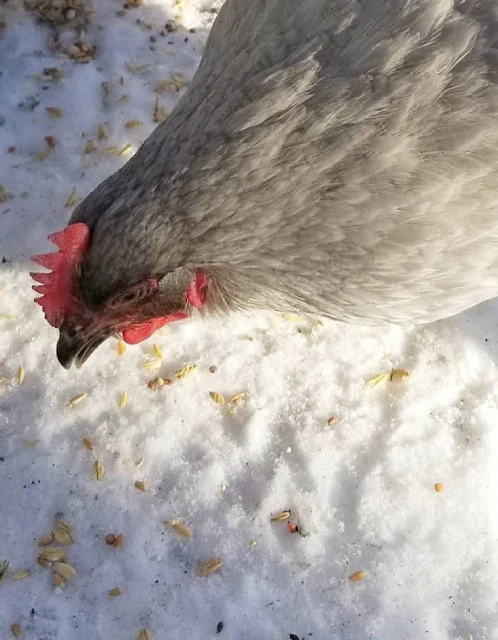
[102, 132]
[123, 400]
[58, 581]
[237, 397]
[30, 443]
[50, 140]
[4, 567]
[439, 487]
[332, 421]
[43, 155]
[65, 570]
[121, 347]
[43, 563]
[64, 525]
[158, 352]
[53, 554]
[357, 576]
[145, 634]
[45, 540]
[186, 371]
[110, 539]
[160, 114]
[115, 592]
[156, 383]
[3, 194]
[219, 627]
[139, 463]
[77, 399]
[55, 112]
[61, 536]
[216, 397]
[378, 379]
[88, 444]
[91, 147]
[293, 317]
[20, 575]
[152, 364]
[398, 375]
[210, 566]
[21, 374]
[124, 149]
[283, 515]
[179, 528]
[141, 486]
[73, 197]
[133, 124]
[293, 528]
[118, 542]
[16, 630]
[213, 369]
[98, 470]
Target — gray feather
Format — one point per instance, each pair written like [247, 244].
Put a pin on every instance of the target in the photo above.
[335, 157]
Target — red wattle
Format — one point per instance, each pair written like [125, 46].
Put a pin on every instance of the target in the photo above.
[140, 332]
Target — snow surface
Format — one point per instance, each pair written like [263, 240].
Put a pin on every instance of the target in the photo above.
[362, 489]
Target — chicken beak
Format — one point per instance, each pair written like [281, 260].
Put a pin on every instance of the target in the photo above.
[77, 348]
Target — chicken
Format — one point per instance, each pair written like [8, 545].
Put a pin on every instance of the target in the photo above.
[331, 157]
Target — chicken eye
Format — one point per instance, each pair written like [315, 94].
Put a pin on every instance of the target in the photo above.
[133, 295]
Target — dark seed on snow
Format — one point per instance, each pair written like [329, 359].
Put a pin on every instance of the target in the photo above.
[219, 626]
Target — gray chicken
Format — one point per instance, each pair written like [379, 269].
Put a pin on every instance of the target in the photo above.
[332, 157]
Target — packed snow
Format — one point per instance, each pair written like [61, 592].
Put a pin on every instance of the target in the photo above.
[356, 463]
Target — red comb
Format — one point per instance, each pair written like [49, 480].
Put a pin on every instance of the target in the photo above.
[57, 287]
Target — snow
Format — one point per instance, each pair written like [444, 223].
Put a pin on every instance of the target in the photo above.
[362, 488]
